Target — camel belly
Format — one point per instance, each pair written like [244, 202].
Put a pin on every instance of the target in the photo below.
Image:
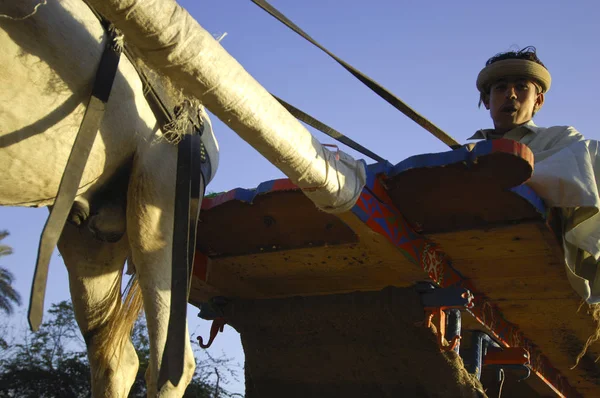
[47, 67]
[33, 167]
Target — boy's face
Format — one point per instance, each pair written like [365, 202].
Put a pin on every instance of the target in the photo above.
[512, 102]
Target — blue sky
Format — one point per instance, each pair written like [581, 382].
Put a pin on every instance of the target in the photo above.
[428, 53]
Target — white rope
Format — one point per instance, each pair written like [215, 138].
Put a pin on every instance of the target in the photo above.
[41, 3]
[502, 377]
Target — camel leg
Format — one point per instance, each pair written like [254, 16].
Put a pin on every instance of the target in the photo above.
[95, 272]
[150, 207]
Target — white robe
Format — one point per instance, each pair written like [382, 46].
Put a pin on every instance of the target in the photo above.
[567, 169]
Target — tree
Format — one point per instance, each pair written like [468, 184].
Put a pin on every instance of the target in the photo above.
[47, 363]
[8, 295]
[53, 363]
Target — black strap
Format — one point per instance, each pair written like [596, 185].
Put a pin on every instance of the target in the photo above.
[322, 127]
[189, 190]
[199, 159]
[71, 178]
[377, 88]
[191, 159]
[188, 197]
[160, 111]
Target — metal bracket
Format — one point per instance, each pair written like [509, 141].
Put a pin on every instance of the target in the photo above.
[217, 326]
[213, 310]
[486, 352]
[516, 358]
[446, 303]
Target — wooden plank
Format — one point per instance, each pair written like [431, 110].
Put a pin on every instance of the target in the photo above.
[281, 220]
[509, 241]
[463, 189]
[313, 271]
[281, 246]
[371, 263]
[529, 288]
[531, 291]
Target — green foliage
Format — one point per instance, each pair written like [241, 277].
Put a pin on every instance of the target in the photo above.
[211, 194]
[46, 364]
[52, 363]
[8, 295]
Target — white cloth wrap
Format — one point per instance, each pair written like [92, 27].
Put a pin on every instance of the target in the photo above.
[568, 179]
[171, 41]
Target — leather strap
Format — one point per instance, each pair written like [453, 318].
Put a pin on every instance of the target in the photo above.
[193, 169]
[373, 85]
[199, 163]
[322, 127]
[188, 197]
[71, 178]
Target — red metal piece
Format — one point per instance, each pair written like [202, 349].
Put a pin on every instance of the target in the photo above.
[441, 328]
[507, 356]
[217, 326]
[200, 269]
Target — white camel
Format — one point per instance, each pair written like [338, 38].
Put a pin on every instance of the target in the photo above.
[48, 61]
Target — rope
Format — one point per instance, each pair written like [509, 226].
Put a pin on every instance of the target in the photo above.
[372, 84]
[502, 378]
[32, 13]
